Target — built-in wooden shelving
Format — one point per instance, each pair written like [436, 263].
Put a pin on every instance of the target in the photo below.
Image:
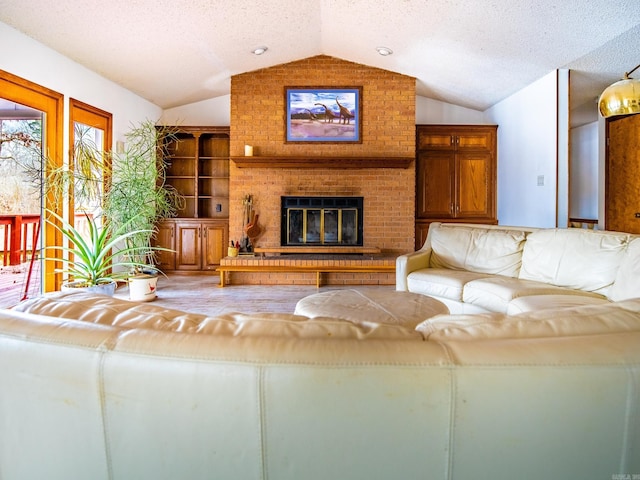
[322, 162]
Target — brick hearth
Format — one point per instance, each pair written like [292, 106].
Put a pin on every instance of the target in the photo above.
[318, 261]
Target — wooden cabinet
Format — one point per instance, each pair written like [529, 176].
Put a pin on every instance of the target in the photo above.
[165, 238]
[198, 167]
[455, 175]
[200, 244]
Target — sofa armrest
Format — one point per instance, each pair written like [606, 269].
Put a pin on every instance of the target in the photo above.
[405, 264]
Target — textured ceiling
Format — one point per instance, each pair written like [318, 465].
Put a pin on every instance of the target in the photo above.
[472, 53]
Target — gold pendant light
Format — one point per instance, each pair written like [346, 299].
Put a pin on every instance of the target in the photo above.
[621, 98]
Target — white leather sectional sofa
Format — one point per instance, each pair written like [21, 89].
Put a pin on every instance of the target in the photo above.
[100, 388]
[487, 268]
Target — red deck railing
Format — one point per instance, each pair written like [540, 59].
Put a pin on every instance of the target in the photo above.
[20, 234]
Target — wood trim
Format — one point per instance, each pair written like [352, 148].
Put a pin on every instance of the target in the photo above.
[20, 90]
[322, 162]
[197, 129]
[86, 114]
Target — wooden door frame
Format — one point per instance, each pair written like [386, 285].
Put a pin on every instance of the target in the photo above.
[86, 114]
[51, 103]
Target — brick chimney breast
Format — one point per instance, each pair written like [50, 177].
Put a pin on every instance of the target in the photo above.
[388, 129]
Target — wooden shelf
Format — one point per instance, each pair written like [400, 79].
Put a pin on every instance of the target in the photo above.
[322, 162]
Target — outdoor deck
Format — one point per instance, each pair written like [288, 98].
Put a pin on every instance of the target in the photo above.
[12, 283]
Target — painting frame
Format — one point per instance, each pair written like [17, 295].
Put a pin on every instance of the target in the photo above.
[323, 114]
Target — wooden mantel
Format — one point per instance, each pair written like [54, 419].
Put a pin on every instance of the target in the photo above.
[321, 162]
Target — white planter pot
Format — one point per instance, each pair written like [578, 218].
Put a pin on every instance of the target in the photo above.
[142, 288]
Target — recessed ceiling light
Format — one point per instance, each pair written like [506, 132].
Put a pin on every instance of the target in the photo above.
[384, 51]
[259, 50]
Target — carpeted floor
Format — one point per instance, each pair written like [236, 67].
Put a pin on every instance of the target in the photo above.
[201, 294]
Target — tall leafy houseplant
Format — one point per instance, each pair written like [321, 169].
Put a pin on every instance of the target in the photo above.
[137, 196]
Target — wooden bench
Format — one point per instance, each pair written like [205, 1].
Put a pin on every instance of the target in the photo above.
[317, 269]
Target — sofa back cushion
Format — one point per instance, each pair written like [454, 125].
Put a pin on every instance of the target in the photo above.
[627, 282]
[574, 258]
[126, 315]
[481, 250]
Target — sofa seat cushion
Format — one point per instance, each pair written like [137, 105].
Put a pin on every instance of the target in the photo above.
[441, 282]
[496, 292]
[542, 302]
[364, 306]
[627, 282]
[574, 258]
[577, 321]
[482, 250]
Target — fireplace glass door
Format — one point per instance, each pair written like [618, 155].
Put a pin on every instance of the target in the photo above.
[333, 221]
[320, 226]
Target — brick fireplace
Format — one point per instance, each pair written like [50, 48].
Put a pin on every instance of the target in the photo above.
[388, 130]
[323, 221]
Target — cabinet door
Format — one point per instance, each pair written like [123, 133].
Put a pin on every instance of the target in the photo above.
[165, 238]
[188, 245]
[474, 189]
[435, 138]
[435, 184]
[214, 245]
[474, 140]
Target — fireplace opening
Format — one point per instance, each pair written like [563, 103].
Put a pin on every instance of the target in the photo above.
[331, 221]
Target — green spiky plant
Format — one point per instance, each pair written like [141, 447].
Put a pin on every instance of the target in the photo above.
[99, 256]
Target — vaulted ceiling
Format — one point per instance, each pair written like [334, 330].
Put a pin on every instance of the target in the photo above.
[471, 53]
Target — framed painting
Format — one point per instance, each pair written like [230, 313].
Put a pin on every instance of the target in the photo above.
[323, 115]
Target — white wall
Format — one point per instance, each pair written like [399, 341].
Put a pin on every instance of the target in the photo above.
[216, 112]
[584, 172]
[527, 152]
[429, 111]
[563, 142]
[212, 112]
[26, 58]
[602, 170]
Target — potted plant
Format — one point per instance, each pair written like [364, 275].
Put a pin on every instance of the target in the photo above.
[96, 259]
[126, 188]
[138, 198]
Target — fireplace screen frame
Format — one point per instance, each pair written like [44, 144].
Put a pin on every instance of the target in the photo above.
[321, 221]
